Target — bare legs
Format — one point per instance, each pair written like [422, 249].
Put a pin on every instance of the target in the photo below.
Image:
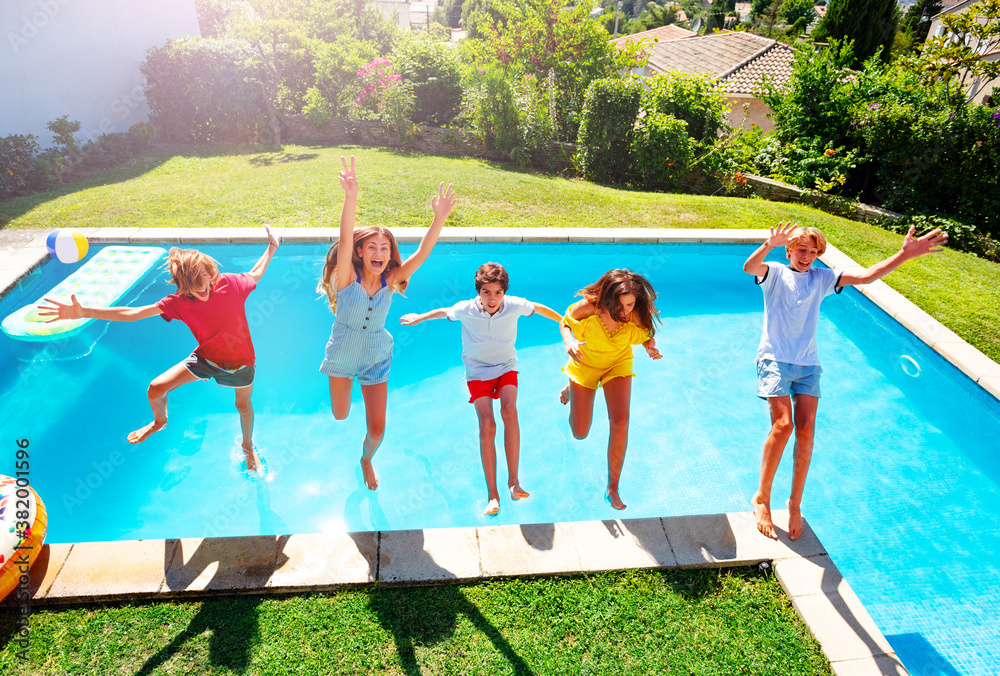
[618, 396]
[157, 392]
[511, 443]
[786, 418]
[245, 407]
[375, 402]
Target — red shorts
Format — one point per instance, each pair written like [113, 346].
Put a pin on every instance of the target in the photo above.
[491, 388]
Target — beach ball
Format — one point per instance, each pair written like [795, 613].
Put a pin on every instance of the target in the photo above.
[67, 246]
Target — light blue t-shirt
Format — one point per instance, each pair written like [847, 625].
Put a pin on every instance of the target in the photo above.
[791, 312]
[488, 341]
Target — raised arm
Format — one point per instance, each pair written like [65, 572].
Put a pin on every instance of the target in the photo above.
[349, 182]
[548, 312]
[260, 267]
[442, 204]
[411, 318]
[913, 247]
[579, 310]
[73, 310]
[779, 237]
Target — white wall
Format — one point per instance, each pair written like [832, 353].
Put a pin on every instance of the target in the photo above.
[81, 58]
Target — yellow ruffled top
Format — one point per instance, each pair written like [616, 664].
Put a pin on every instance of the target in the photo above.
[606, 355]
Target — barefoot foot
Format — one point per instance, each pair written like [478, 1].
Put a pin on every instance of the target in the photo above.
[143, 433]
[251, 457]
[492, 507]
[517, 493]
[762, 513]
[564, 395]
[794, 521]
[371, 479]
[613, 499]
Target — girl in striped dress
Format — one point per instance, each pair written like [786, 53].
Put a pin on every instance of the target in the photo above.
[359, 281]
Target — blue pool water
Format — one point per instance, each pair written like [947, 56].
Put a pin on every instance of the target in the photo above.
[903, 489]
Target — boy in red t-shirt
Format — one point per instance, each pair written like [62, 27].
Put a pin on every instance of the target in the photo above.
[212, 305]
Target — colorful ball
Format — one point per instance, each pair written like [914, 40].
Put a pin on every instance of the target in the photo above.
[67, 246]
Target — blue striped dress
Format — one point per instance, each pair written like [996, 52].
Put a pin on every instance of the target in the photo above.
[359, 345]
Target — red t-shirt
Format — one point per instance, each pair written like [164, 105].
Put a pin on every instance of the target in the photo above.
[219, 324]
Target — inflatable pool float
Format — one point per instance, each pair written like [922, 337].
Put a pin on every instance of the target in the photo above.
[99, 282]
[20, 546]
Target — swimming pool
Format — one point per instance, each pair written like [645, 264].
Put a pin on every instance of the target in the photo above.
[903, 490]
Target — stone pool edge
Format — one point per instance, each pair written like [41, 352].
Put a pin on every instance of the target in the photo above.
[321, 562]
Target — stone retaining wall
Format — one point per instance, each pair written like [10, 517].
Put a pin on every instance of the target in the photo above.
[776, 191]
[430, 140]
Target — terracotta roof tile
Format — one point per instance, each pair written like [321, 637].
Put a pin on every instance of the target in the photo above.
[671, 32]
[738, 59]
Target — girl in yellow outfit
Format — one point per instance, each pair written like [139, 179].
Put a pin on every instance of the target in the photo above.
[616, 312]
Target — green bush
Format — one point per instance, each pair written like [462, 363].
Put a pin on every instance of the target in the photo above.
[490, 108]
[962, 236]
[607, 129]
[662, 150]
[433, 69]
[317, 109]
[22, 167]
[397, 104]
[535, 131]
[337, 65]
[204, 91]
[693, 98]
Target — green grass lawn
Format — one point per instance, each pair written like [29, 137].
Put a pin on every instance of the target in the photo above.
[196, 186]
[723, 623]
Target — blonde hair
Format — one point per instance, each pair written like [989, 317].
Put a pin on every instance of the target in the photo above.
[185, 267]
[806, 231]
[361, 235]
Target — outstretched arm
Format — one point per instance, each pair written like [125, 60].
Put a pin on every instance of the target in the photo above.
[780, 236]
[442, 205]
[548, 312]
[260, 267]
[913, 247]
[349, 182]
[73, 310]
[411, 318]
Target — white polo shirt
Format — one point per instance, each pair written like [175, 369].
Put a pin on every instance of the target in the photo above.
[488, 341]
[791, 312]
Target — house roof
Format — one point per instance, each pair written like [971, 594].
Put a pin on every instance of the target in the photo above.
[739, 60]
[671, 32]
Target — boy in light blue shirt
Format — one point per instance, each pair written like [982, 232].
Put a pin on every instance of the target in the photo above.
[489, 330]
[788, 368]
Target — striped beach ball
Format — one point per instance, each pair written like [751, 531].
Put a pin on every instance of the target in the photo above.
[67, 246]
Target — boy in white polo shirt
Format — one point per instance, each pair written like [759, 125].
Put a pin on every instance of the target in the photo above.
[788, 366]
[489, 330]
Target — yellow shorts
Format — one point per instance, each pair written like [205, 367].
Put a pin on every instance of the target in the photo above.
[592, 377]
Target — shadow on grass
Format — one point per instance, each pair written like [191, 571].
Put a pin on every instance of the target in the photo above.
[232, 624]
[428, 615]
[280, 157]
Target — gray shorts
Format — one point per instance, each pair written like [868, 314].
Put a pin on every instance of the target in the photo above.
[781, 379]
[206, 370]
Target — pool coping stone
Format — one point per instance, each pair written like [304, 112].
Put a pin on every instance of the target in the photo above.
[320, 562]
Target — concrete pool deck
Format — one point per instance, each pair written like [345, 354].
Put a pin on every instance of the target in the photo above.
[150, 569]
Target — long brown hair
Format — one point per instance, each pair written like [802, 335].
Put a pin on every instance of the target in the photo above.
[185, 266]
[607, 291]
[361, 235]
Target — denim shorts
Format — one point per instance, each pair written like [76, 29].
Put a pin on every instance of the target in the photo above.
[781, 379]
[206, 370]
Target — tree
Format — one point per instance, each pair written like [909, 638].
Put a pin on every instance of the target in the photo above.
[870, 24]
[917, 20]
[955, 58]
[793, 10]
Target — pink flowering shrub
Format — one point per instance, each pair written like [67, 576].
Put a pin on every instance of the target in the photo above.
[374, 79]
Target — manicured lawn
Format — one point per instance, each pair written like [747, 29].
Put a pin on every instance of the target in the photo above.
[192, 186]
[638, 622]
